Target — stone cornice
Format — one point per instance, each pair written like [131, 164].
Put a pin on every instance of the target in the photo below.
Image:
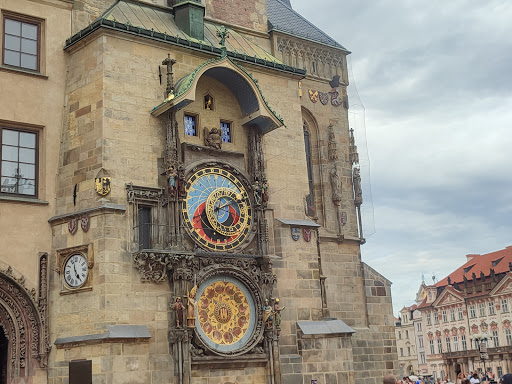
[94, 211]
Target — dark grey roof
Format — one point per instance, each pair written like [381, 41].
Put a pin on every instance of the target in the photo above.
[281, 17]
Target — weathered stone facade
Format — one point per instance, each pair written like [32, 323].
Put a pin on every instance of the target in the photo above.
[123, 121]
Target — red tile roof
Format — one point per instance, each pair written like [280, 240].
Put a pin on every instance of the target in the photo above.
[480, 263]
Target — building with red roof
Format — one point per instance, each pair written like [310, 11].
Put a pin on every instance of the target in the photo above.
[471, 304]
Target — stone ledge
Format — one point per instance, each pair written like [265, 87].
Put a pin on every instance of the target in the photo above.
[25, 200]
[114, 334]
[327, 327]
[104, 208]
[215, 362]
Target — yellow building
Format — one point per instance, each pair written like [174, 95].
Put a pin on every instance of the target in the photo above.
[180, 198]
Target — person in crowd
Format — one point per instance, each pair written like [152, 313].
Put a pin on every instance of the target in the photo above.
[389, 379]
[474, 379]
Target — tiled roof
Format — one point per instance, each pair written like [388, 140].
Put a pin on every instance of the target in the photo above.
[282, 18]
[480, 263]
[157, 23]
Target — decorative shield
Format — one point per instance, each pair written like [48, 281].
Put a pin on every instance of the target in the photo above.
[313, 95]
[295, 233]
[103, 185]
[72, 226]
[324, 97]
[343, 218]
[85, 223]
[307, 234]
[336, 100]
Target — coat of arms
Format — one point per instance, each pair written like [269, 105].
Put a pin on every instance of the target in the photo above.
[295, 233]
[336, 100]
[72, 226]
[307, 234]
[313, 95]
[324, 97]
[85, 223]
[103, 185]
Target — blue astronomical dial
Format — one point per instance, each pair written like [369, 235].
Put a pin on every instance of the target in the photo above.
[217, 209]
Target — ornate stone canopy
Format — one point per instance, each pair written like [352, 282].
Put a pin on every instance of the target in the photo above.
[245, 88]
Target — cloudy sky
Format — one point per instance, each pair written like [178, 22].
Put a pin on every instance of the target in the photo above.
[435, 79]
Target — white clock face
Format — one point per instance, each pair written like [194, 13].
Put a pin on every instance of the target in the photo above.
[76, 270]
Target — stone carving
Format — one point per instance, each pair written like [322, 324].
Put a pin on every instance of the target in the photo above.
[23, 319]
[135, 193]
[358, 193]
[191, 307]
[352, 151]
[336, 186]
[213, 137]
[267, 315]
[178, 308]
[318, 61]
[172, 181]
[331, 145]
[277, 312]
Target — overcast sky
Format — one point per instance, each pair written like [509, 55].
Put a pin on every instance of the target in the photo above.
[435, 79]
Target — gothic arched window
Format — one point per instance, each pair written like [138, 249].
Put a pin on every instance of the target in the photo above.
[310, 198]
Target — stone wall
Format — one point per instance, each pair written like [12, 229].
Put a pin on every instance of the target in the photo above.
[252, 14]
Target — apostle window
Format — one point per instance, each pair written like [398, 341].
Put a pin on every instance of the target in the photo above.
[227, 135]
[19, 162]
[21, 42]
[190, 125]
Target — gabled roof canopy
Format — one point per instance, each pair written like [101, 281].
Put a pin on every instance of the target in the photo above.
[256, 111]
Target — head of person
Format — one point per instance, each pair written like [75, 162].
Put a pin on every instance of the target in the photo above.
[475, 375]
[465, 381]
[506, 379]
[389, 379]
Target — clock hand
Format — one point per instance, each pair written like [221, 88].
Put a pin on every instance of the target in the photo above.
[76, 273]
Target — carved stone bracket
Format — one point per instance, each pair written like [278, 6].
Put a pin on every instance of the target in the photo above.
[24, 319]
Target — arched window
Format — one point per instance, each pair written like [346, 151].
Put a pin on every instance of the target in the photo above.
[310, 198]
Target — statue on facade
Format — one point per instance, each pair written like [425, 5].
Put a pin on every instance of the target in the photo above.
[181, 182]
[277, 312]
[267, 315]
[172, 177]
[358, 192]
[336, 185]
[178, 309]
[257, 192]
[264, 192]
[213, 137]
[191, 307]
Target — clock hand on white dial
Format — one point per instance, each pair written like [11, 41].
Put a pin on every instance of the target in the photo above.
[76, 273]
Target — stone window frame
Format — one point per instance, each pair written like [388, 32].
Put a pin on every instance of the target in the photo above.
[504, 305]
[28, 128]
[197, 123]
[231, 129]
[27, 19]
[492, 308]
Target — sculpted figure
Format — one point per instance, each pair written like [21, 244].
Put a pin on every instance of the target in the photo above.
[336, 185]
[171, 180]
[267, 315]
[358, 193]
[213, 137]
[277, 312]
[191, 307]
[178, 308]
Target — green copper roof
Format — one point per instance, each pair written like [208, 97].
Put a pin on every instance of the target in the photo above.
[158, 23]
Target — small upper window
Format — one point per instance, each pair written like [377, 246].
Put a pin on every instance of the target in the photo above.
[227, 136]
[21, 43]
[190, 125]
[19, 162]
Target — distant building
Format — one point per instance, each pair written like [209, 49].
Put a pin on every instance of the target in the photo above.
[474, 300]
[406, 342]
